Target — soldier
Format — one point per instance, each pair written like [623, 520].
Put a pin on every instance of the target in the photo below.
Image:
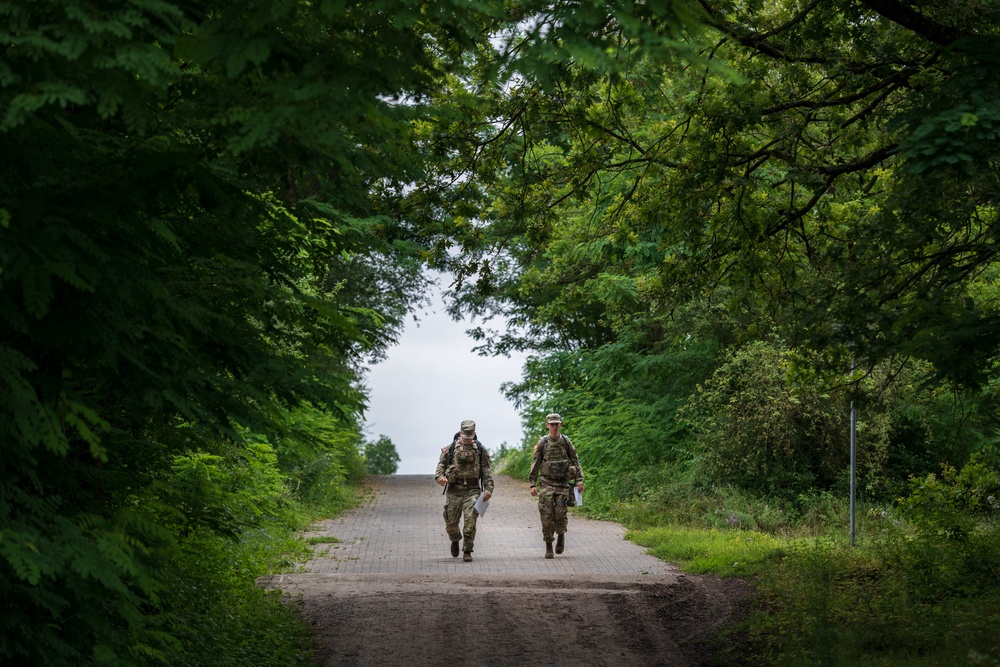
[554, 465]
[464, 466]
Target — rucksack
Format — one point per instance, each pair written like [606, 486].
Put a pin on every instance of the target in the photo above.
[484, 458]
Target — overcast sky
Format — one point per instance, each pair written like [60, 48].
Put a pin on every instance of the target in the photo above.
[431, 381]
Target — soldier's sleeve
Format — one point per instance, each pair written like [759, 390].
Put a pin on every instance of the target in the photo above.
[574, 458]
[486, 470]
[439, 472]
[536, 462]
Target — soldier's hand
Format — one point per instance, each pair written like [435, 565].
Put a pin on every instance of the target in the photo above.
[534, 491]
[487, 495]
[442, 480]
[579, 485]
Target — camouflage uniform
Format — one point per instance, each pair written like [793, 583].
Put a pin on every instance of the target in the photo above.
[468, 464]
[550, 458]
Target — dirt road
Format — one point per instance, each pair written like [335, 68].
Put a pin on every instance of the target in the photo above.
[389, 592]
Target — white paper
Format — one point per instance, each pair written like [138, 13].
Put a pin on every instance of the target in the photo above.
[578, 496]
[481, 505]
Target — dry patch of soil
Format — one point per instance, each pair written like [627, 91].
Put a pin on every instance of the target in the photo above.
[503, 620]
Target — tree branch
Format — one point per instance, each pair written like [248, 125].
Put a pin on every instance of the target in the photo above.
[910, 19]
[869, 160]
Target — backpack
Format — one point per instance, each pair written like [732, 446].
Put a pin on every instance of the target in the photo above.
[484, 456]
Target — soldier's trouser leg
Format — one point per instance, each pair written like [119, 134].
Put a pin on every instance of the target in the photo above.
[452, 515]
[460, 507]
[469, 521]
[552, 510]
[560, 518]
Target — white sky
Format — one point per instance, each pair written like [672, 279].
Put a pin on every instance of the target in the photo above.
[430, 382]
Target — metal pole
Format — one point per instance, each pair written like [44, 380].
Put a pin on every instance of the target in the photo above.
[854, 447]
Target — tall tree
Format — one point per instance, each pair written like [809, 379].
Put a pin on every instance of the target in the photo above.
[835, 173]
[821, 176]
[187, 250]
[381, 456]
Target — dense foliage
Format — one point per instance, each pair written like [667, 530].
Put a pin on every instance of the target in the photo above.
[191, 277]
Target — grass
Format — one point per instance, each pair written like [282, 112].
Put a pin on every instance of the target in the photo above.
[921, 587]
[723, 552]
[892, 600]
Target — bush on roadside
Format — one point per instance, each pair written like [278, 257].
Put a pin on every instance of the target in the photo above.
[235, 514]
[919, 588]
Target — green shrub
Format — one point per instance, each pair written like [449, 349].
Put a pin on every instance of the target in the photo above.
[236, 514]
[217, 613]
[959, 502]
[759, 431]
[515, 462]
[954, 547]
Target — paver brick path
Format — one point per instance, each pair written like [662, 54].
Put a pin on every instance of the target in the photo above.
[388, 592]
[401, 531]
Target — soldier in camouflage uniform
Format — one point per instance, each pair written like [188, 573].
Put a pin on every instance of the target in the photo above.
[461, 468]
[555, 466]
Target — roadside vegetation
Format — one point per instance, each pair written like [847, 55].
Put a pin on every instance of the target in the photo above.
[231, 516]
[247, 507]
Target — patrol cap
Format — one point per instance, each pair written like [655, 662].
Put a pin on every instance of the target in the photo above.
[553, 418]
[468, 428]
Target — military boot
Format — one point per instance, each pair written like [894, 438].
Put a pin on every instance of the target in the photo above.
[454, 548]
[560, 542]
[548, 549]
[467, 557]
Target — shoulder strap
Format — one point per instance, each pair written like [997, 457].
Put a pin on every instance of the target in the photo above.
[483, 455]
[570, 447]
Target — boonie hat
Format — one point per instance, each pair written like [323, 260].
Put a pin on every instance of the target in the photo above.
[553, 418]
[469, 428]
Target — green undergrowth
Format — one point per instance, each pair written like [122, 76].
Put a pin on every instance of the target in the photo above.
[221, 617]
[894, 599]
[919, 587]
[254, 504]
[722, 552]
